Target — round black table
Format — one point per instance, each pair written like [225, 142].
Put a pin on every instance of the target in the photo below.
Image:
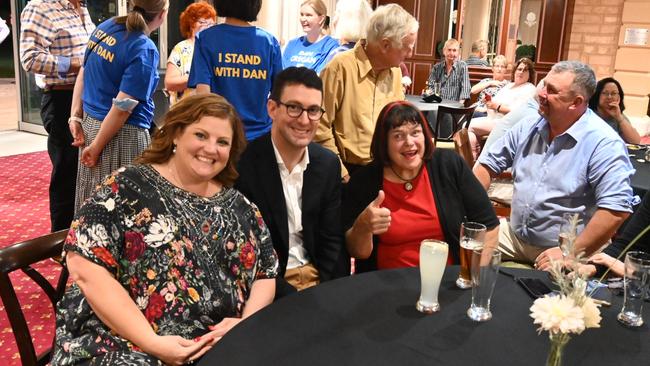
[370, 319]
[641, 179]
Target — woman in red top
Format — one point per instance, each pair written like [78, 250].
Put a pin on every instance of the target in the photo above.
[410, 192]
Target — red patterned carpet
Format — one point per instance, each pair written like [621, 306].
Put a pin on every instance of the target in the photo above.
[24, 214]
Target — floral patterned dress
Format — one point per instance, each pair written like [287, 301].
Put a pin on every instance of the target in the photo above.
[181, 57]
[187, 262]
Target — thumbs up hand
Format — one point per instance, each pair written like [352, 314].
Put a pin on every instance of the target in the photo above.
[374, 218]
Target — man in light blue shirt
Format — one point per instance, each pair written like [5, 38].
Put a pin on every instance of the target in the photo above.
[565, 161]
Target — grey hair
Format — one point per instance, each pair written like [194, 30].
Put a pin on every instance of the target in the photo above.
[585, 79]
[350, 18]
[479, 45]
[390, 21]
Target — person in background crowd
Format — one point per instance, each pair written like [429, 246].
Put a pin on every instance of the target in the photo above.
[479, 51]
[195, 18]
[349, 24]
[53, 39]
[564, 162]
[166, 257]
[451, 73]
[357, 84]
[600, 262]
[490, 86]
[410, 192]
[310, 50]
[114, 94]
[511, 96]
[296, 184]
[607, 102]
[239, 61]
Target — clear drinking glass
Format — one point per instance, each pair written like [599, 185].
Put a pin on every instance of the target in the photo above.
[637, 270]
[433, 258]
[563, 237]
[485, 268]
[472, 236]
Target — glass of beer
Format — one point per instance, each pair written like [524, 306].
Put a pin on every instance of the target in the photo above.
[433, 258]
[472, 236]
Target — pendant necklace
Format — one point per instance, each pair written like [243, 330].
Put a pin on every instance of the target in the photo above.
[408, 185]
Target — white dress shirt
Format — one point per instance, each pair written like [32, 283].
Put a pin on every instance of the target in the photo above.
[292, 188]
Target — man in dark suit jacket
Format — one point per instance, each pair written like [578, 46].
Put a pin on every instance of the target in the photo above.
[296, 184]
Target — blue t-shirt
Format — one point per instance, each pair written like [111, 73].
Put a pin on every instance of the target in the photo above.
[240, 64]
[299, 52]
[121, 61]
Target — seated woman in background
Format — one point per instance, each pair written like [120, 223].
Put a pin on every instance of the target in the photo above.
[165, 256]
[607, 102]
[508, 98]
[490, 86]
[607, 258]
[410, 192]
[195, 18]
[349, 24]
[310, 50]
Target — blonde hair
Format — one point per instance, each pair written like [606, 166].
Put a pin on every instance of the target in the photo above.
[392, 22]
[351, 17]
[500, 58]
[142, 12]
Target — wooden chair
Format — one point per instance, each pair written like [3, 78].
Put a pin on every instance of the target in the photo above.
[458, 118]
[22, 256]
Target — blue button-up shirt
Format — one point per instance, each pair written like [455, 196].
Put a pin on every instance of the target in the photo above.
[584, 168]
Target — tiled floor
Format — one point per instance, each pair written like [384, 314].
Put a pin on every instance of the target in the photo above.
[14, 142]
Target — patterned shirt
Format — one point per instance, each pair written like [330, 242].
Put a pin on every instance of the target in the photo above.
[185, 260]
[454, 86]
[52, 33]
[181, 57]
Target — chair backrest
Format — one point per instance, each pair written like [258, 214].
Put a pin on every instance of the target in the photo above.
[463, 147]
[22, 256]
[451, 119]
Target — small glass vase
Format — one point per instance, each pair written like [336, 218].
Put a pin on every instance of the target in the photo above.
[558, 341]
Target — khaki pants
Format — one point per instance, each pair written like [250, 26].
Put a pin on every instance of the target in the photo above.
[514, 249]
[302, 277]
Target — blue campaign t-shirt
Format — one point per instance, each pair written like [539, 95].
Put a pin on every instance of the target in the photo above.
[117, 60]
[299, 52]
[240, 64]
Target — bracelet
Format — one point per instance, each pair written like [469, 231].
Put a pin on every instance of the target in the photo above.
[499, 107]
[74, 119]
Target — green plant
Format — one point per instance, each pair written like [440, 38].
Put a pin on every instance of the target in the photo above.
[526, 50]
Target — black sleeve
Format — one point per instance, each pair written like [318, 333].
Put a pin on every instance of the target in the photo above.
[476, 202]
[333, 260]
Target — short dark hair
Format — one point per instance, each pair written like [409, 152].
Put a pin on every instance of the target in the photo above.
[530, 67]
[245, 10]
[593, 102]
[393, 115]
[295, 76]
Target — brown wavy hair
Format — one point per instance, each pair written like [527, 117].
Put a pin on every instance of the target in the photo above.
[530, 67]
[190, 110]
[192, 14]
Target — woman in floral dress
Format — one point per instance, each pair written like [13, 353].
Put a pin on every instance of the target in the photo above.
[166, 256]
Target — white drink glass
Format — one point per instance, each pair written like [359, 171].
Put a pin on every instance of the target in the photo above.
[433, 259]
[485, 269]
[637, 270]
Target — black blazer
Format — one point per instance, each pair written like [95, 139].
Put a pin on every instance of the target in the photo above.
[259, 180]
[458, 195]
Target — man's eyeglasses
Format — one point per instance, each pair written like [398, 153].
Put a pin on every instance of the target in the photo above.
[610, 95]
[314, 113]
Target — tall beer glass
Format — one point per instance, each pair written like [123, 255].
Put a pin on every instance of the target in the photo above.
[637, 269]
[472, 236]
[433, 258]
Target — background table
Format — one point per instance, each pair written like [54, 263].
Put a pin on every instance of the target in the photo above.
[370, 319]
[430, 110]
[640, 179]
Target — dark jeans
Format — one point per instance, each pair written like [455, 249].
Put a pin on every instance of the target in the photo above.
[55, 111]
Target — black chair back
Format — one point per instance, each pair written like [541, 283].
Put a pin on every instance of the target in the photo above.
[22, 256]
[451, 119]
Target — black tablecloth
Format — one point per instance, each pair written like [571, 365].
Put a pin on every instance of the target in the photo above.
[370, 319]
[640, 179]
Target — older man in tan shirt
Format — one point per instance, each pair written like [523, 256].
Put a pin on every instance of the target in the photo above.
[358, 83]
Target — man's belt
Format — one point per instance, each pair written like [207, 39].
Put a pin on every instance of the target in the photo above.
[60, 87]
